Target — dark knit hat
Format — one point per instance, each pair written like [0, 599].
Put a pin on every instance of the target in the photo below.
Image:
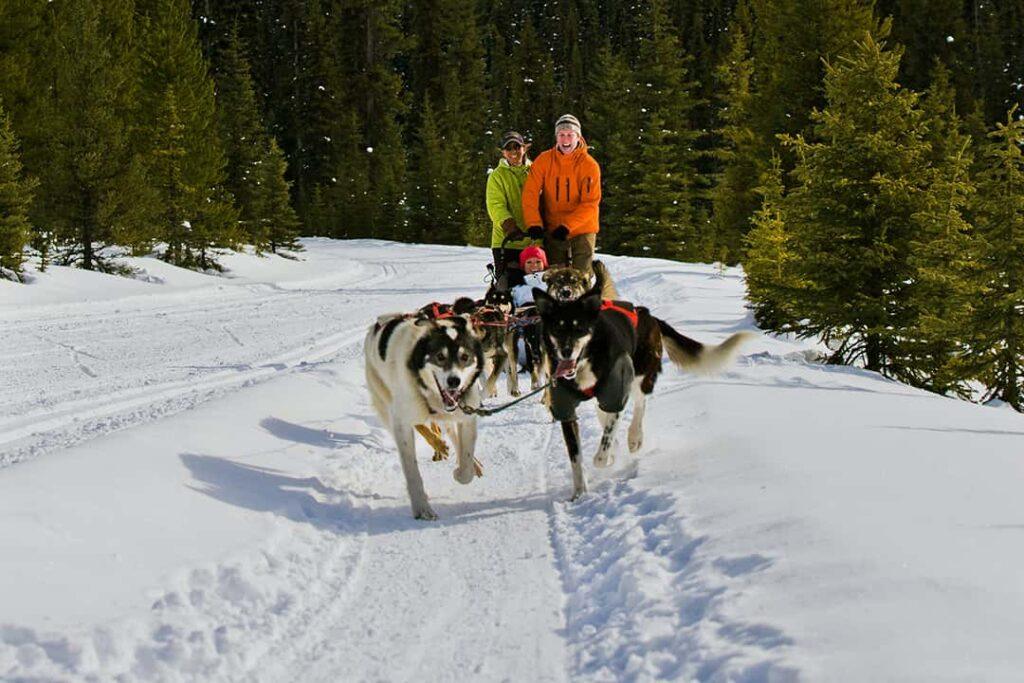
[512, 136]
[568, 121]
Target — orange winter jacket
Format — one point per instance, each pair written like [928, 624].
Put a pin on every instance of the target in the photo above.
[563, 189]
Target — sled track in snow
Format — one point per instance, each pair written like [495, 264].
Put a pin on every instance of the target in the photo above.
[26, 437]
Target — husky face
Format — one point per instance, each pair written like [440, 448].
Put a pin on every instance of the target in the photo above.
[567, 327]
[566, 284]
[447, 361]
[500, 299]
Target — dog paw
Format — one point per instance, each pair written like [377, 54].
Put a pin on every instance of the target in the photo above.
[515, 392]
[603, 459]
[577, 496]
[426, 513]
[635, 442]
[464, 475]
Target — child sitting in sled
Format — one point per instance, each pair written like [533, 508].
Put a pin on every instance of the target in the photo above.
[534, 262]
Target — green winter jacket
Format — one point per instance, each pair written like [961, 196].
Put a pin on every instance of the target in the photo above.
[505, 200]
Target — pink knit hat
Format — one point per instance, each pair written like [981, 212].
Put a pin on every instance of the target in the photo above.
[532, 252]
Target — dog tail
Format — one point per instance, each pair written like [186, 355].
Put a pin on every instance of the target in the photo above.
[608, 290]
[690, 354]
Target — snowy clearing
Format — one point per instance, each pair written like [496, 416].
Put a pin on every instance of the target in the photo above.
[192, 487]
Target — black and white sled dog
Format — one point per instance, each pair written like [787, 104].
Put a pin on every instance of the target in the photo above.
[421, 371]
[490, 319]
[611, 350]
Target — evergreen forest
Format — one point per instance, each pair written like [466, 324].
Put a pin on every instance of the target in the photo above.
[862, 160]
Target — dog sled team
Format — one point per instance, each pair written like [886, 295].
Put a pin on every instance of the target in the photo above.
[428, 371]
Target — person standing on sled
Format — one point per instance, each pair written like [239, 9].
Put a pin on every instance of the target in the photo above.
[505, 207]
[561, 198]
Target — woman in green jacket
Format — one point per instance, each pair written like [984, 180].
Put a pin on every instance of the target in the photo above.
[505, 207]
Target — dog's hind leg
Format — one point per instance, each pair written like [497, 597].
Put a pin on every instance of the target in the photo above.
[605, 456]
[636, 425]
[465, 446]
[511, 364]
[406, 441]
[492, 368]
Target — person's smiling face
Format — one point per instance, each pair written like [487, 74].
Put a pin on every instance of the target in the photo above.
[567, 140]
[514, 154]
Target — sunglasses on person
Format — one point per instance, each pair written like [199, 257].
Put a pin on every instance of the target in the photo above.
[512, 147]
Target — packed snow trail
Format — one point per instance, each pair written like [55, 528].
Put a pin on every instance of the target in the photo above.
[227, 507]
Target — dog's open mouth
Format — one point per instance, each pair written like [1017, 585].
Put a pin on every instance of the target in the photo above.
[566, 369]
[448, 397]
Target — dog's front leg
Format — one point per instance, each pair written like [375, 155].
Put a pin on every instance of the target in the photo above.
[466, 446]
[636, 426]
[512, 362]
[571, 434]
[604, 456]
[406, 441]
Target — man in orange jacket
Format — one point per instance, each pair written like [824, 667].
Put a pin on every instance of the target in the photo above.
[561, 197]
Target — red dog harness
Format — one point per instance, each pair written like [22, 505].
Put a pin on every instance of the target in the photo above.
[631, 315]
[609, 305]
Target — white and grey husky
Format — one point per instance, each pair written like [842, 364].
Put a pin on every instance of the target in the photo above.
[423, 372]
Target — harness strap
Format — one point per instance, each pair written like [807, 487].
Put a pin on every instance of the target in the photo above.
[484, 412]
[439, 313]
[630, 313]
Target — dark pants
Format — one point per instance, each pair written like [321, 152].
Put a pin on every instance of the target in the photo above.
[612, 393]
[577, 252]
[506, 267]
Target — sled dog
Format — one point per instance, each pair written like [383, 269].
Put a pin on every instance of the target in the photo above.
[611, 350]
[422, 371]
[490, 320]
[566, 283]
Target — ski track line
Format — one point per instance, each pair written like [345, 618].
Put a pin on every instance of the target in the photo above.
[79, 421]
[621, 550]
[38, 432]
[403, 553]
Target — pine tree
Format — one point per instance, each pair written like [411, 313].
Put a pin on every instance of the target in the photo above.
[532, 89]
[665, 182]
[997, 343]
[430, 194]
[771, 265]
[739, 152]
[453, 83]
[612, 124]
[862, 179]
[93, 189]
[943, 253]
[16, 193]
[167, 158]
[178, 101]
[278, 219]
[242, 135]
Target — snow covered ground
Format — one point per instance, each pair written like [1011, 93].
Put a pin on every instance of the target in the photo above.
[192, 487]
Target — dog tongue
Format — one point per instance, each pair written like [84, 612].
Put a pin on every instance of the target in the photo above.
[566, 368]
[451, 399]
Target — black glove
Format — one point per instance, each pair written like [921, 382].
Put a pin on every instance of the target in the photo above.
[535, 231]
[560, 233]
